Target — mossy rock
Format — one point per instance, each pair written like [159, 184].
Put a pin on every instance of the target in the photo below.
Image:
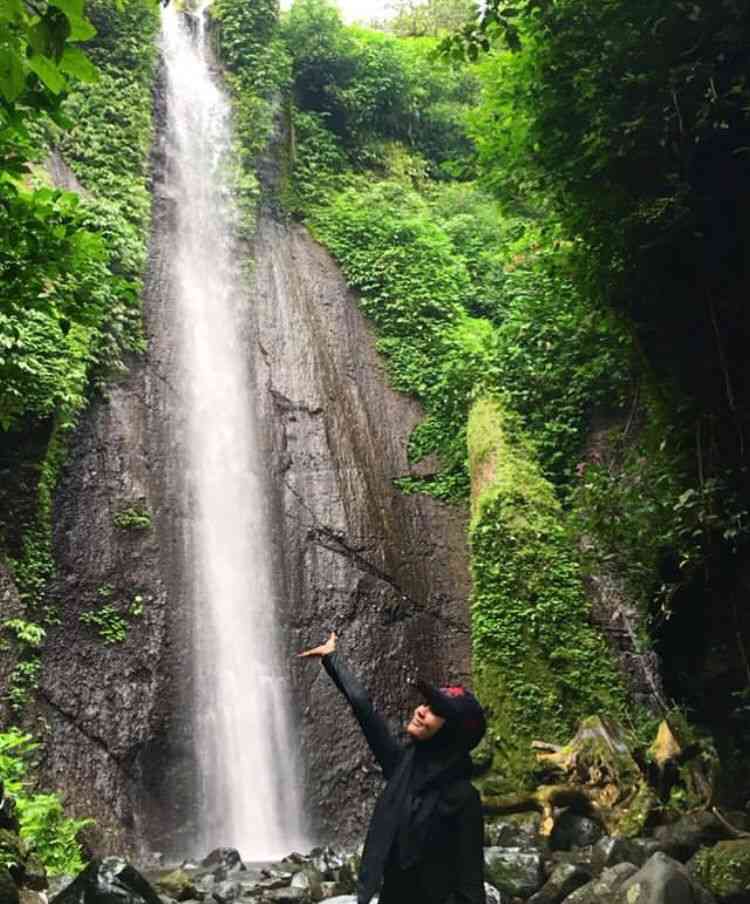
[724, 869]
[178, 885]
[539, 664]
[8, 889]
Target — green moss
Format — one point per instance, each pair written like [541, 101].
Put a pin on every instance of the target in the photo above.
[539, 665]
[135, 517]
[725, 868]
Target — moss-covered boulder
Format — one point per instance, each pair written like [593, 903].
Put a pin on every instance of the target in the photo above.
[178, 885]
[539, 664]
[724, 869]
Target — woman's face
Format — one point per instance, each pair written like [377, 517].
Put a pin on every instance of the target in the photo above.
[424, 724]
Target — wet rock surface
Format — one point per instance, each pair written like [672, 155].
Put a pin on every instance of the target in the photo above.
[388, 572]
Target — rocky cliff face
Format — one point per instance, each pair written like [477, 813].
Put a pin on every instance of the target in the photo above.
[388, 572]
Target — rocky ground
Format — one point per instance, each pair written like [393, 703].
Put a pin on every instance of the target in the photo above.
[698, 860]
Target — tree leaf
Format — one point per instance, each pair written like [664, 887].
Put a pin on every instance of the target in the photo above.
[80, 29]
[75, 62]
[73, 9]
[48, 72]
[12, 78]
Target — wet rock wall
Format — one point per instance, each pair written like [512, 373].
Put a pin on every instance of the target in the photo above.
[387, 572]
[351, 554]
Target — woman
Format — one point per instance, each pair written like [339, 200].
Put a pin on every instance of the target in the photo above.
[424, 844]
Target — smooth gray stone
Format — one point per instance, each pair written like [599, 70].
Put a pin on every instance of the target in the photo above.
[514, 871]
[662, 881]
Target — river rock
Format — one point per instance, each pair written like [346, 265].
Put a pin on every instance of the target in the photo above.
[224, 858]
[178, 885]
[571, 830]
[682, 839]
[106, 881]
[309, 880]
[662, 881]
[58, 884]
[492, 895]
[514, 871]
[509, 834]
[611, 851]
[724, 870]
[227, 891]
[29, 896]
[600, 890]
[565, 879]
[288, 895]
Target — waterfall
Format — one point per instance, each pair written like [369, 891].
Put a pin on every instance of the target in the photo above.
[246, 755]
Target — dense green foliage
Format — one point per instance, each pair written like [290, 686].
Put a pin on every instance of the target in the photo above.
[71, 269]
[257, 68]
[43, 826]
[538, 662]
[370, 88]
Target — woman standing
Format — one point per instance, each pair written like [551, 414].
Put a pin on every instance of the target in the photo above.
[424, 844]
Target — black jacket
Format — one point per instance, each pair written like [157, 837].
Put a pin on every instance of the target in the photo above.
[450, 869]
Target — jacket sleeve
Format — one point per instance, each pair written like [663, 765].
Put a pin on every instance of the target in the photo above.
[384, 746]
[469, 887]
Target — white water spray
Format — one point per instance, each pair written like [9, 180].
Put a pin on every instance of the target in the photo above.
[246, 755]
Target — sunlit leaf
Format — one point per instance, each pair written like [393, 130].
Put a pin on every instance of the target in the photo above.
[48, 72]
[75, 62]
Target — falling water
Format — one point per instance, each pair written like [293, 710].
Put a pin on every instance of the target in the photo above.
[246, 760]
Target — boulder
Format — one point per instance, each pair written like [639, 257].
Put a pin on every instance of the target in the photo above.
[227, 891]
[8, 888]
[662, 880]
[514, 871]
[178, 885]
[287, 895]
[492, 895]
[565, 879]
[724, 870]
[309, 880]
[571, 830]
[58, 884]
[223, 858]
[509, 834]
[29, 896]
[600, 890]
[34, 873]
[108, 881]
[696, 830]
[611, 851]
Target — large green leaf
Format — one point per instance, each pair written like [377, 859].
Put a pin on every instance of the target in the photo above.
[12, 79]
[48, 72]
[71, 8]
[80, 29]
[75, 62]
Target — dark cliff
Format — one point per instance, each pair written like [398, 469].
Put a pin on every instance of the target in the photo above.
[387, 571]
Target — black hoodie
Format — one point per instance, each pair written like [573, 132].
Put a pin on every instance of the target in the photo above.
[424, 844]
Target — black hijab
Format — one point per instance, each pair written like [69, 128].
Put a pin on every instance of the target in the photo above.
[406, 809]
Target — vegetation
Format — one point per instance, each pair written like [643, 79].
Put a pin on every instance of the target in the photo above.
[71, 263]
[548, 236]
[43, 826]
[539, 664]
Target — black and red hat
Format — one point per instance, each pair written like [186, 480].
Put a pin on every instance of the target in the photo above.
[459, 706]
